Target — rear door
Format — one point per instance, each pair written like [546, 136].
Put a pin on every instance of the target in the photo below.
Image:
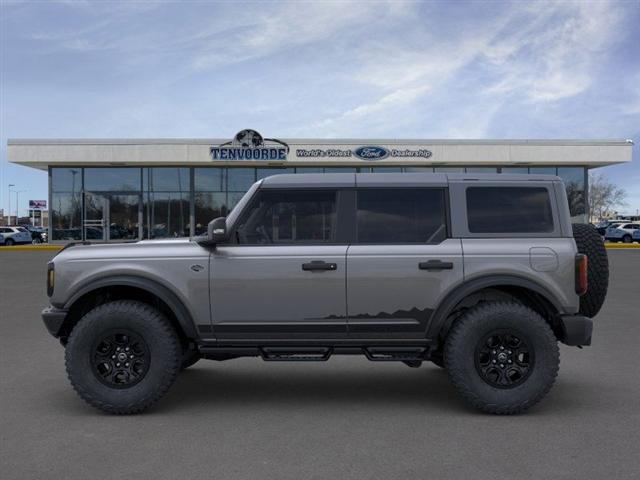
[285, 277]
[402, 261]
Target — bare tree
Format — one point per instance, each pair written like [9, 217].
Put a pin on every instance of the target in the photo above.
[604, 196]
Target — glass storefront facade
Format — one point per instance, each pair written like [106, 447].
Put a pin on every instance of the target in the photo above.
[134, 203]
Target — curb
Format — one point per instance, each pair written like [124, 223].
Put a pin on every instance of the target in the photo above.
[26, 248]
[622, 246]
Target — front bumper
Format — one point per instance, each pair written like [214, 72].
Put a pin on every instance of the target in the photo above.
[576, 330]
[53, 319]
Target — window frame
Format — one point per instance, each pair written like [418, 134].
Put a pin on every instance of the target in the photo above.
[341, 234]
[447, 215]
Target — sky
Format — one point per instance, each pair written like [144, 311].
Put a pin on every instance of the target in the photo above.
[374, 69]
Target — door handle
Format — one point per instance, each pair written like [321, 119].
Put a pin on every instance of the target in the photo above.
[318, 265]
[435, 265]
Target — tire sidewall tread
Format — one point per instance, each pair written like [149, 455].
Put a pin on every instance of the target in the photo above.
[589, 242]
[161, 340]
[459, 357]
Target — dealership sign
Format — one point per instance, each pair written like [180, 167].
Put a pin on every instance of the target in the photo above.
[250, 145]
[371, 153]
[38, 204]
[365, 152]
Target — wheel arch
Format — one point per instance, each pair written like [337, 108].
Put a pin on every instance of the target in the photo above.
[134, 288]
[522, 289]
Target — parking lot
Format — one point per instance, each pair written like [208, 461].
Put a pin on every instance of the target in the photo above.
[346, 418]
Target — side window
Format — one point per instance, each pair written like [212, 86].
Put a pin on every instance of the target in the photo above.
[401, 215]
[509, 210]
[289, 216]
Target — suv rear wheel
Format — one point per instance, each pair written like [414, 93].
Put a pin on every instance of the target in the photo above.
[502, 357]
[123, 356]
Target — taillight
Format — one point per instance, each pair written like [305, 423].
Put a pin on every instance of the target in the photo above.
[51, 278]
[582, 282]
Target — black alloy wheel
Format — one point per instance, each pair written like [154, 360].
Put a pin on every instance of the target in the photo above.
[120, 359]
[504, 359]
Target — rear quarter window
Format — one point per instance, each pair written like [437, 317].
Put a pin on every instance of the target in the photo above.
[509, 210]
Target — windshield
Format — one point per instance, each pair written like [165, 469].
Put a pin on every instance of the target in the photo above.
[233, 215]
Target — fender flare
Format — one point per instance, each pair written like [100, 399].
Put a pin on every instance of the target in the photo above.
[438, 320]
[178, 308]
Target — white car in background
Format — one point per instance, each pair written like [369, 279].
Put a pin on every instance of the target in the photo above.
[15, 235]
[621, 233]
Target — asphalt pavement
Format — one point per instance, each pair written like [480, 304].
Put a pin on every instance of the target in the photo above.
[343, 419]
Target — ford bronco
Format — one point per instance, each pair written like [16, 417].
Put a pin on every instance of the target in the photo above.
[480, 274]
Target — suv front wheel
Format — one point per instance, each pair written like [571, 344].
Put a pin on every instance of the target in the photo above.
[502, 357]
[123, 356]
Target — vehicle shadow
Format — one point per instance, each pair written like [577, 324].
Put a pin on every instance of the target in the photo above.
[426, 387]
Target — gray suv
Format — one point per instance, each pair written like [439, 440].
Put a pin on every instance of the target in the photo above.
[479, 274]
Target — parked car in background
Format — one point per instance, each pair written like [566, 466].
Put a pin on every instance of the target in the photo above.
[602, 226]
[1, 239]
[636, 236]
[38, 234]
[15, 235]
[621, 233]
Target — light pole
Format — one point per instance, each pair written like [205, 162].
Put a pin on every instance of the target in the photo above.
[18, 192]
[9, 211]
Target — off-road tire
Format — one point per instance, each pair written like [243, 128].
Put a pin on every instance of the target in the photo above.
[589, 242]
[469, 331]
[164, 350]
[189, 357]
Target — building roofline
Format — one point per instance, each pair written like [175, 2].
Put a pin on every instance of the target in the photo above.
[316, 141]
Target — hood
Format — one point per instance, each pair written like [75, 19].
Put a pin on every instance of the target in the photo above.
[175, 247]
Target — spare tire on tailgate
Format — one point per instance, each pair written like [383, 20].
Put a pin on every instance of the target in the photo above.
[589, 242]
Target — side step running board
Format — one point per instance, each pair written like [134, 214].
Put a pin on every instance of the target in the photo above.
[296, 354]
[395, 354]
[319, 353]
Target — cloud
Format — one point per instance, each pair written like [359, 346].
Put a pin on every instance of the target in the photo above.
[553, 56]
[539, 53]
[289, 26]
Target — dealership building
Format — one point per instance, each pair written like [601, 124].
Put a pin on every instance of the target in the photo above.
[131, 189]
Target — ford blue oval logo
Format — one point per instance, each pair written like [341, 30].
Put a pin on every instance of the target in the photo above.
[371, 153]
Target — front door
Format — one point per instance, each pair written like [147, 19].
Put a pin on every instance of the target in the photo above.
[112, 217]
[284, 276]
[401, 262]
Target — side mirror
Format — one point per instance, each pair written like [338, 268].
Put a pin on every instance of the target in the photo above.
[216, 232]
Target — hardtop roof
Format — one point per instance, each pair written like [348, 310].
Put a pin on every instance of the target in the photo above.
[319, 180]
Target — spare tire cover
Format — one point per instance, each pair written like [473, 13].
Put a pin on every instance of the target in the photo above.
[589, 242]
